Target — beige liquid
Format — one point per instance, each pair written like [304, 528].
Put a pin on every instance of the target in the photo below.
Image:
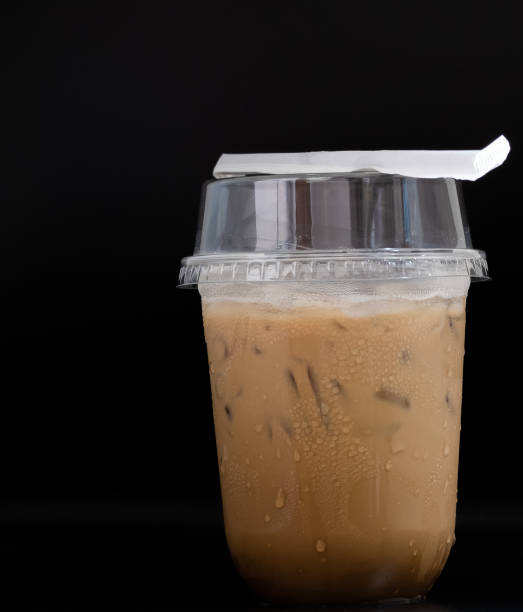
[338, 441]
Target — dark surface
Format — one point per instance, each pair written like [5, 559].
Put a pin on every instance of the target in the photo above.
[166, 556]
[113, 115]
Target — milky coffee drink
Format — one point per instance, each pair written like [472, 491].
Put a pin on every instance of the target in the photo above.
[337, 426]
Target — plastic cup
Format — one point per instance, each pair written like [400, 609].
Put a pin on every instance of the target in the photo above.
[334, 315]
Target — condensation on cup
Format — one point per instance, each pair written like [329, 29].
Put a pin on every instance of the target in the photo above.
[334, 315]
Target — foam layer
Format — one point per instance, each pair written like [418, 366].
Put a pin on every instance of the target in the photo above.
[358, 298]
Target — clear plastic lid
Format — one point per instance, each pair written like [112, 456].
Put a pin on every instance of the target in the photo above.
[331, 227]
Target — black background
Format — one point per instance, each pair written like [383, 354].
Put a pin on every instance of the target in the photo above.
[113, 115]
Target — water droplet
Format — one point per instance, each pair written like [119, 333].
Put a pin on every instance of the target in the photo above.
[264, 397]
[411, 543]
[446, 450]
[448, 540]
[416, 492]
[449, 348]
[247, 461]
[388, 466]
[258, 428]
[414, 552]
[279, 502]
[445, 424]
[396, 447]
[296, 455]
[248, 485]
[446, 486]
[321, 546]
[345, 429]
[267, 518]
[361, 449]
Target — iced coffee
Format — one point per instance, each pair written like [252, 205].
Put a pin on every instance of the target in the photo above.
[334, 311]
[337, 429]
